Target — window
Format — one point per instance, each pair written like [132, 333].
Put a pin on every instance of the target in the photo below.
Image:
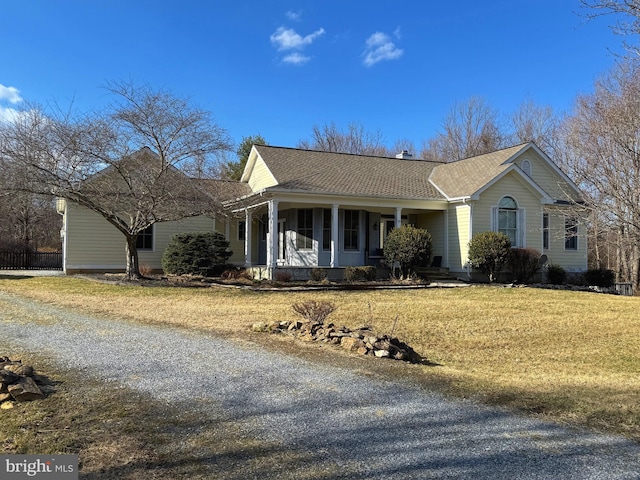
[304, 237]
[145, 239]
[351, 229]
[508, 219]
[570, 233]
[526, 167]
[242, 230]
[545, 231]
[326, 229]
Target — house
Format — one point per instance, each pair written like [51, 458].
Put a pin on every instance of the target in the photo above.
[296, 209]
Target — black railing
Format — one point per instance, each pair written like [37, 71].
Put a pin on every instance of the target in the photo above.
[30, 261]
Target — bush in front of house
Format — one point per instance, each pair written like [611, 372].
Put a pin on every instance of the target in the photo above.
[360, 274]
[410, 247]
[524, 263]
[556, 275]
[600, 277]
[196, 253]
[318, 274]
[489, 252]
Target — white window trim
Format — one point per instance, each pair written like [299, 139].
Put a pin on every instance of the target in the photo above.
[521, 222]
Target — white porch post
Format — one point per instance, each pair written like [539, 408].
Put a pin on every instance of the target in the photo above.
[272, 238]
[247, 238]
[398, 217]
[334, 236]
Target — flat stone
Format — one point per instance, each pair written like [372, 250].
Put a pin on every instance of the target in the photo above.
[8, 377]
[259, 327]
[18, 368]
[381, 353]
[25, 390]
[351, 344]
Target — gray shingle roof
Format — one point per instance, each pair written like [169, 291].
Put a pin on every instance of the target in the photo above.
[347, 174]
[465, 177]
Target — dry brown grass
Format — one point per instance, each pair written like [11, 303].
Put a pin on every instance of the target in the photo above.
[573, 356]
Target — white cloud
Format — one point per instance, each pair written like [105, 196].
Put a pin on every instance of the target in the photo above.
[295, 16]
[379, 47]
[10, 94]
[287, 39]
[8, 114]
[296, 58]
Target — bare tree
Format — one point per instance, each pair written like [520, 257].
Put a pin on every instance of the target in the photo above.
[28, 222]
[471, 128]
[355, 139]
[538, 124]
[603, 135]
[627, 13]
[123, 163]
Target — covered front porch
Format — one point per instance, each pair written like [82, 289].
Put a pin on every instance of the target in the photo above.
[298, 235]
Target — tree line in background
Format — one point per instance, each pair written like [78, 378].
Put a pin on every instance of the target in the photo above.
[44, 154]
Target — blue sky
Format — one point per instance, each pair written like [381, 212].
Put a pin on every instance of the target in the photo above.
[277, 68]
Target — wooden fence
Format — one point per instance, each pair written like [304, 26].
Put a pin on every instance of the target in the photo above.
[30, 261]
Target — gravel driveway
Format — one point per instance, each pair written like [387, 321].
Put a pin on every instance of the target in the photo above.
[362, 428]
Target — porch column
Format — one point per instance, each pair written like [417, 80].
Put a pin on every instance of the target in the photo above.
[247, 238]
[334, 236]
[272, 237]
[398, 217]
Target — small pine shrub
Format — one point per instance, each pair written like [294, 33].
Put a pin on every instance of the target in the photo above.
[600, 277]
[525, 263]
[199, 253]
[556, 275]
[314, 311]
[489, 252]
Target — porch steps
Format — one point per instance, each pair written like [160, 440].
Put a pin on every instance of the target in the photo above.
[436, 274]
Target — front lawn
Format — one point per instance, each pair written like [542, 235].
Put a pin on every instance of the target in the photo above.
[572, 356]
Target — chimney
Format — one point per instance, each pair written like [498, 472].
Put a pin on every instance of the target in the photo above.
[404, 155]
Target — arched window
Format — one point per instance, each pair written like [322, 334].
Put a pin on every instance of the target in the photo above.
[526, 167]
[508, 219]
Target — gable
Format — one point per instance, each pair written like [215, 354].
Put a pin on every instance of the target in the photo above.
[547, 175]
[469, 177]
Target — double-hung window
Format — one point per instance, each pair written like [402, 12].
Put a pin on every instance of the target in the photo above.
[304, 236]
[351, 229]
[570, 233]
[508, 219]
[326, 229]
[545, 231]
[145, 239]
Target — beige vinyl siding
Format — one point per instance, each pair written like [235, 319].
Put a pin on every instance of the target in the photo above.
[93, 244]
[570, 260]
[261, 177]
[236, 245]
[545, 176]
[434, 223]
[515, 187]
[459, 230]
